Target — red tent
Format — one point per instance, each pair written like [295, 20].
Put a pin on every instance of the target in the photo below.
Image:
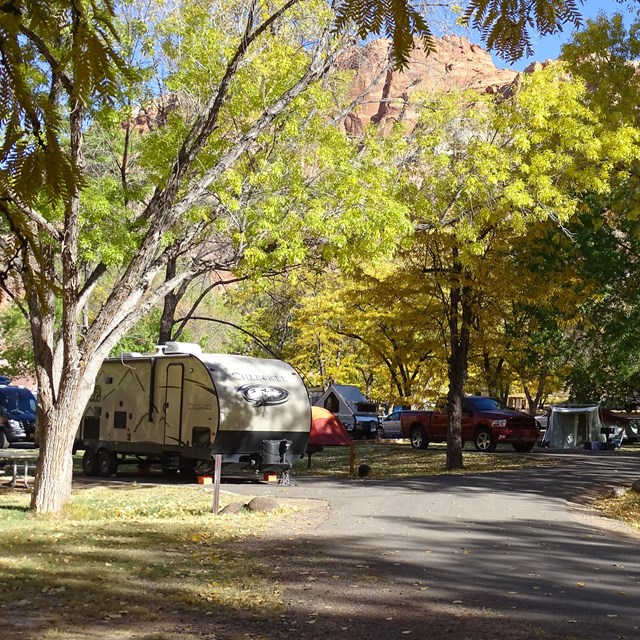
[326, 429]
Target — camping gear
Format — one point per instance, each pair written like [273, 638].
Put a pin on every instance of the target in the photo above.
[572, 426]
[326, 429]
[358, 414]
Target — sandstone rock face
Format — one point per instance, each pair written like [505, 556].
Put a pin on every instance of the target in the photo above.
[145, 119]
[456, 63]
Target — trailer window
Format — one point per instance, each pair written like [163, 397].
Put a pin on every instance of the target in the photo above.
[201, 437]
[119, 419]
[332, 403]
[91, 429]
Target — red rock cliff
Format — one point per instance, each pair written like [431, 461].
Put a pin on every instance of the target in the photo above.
[456, 63]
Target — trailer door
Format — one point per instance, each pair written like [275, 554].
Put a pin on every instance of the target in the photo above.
[172, 406]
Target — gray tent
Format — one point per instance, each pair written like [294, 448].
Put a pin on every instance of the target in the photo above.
[570, 426]
[351, 406]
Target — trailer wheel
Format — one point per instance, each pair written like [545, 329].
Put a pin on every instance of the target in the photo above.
[188, 467]
[107, 463]
[4, 441]
[90, 463]
[524, 447]
[169, 471]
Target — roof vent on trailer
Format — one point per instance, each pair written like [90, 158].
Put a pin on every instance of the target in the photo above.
[182, 347]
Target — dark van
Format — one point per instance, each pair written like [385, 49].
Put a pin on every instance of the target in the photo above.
[17, 415]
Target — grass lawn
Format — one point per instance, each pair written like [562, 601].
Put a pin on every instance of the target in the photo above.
[123, 557]
[625, 508]
[399, 460]
[128, 560]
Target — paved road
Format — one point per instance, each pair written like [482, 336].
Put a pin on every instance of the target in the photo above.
[518, 543]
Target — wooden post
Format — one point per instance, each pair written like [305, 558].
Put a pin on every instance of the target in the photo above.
[352, 458]
[217, 463]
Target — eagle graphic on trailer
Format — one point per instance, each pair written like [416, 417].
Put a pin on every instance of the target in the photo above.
[179, 407]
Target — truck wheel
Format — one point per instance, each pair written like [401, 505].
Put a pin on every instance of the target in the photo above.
[107, 463]
[418, 438]
[90, 463]
[372, 431]
[484, 440]
[524, 447]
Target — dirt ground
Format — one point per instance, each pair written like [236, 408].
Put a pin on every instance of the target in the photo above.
[326, 600]
[323, 599]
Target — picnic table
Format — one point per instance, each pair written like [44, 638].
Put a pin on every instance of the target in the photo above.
[24, 459]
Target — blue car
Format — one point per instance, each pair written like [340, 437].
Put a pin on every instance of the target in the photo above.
[17, 415]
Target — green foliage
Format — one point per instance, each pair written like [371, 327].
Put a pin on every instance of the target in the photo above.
[106, 230]
[603, 54]
[604, 357]
[49, 48]
[505, 24]
[17, 345]
[142, 338]
[396, 20]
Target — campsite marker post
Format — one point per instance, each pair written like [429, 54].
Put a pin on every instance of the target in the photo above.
[217, 464]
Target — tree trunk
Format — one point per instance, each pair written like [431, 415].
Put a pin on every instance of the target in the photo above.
[460, 317]
[534, 401]
[57, 431]
[169, 307]
[54, 470]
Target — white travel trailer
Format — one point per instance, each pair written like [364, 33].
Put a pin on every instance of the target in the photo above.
[180, 407]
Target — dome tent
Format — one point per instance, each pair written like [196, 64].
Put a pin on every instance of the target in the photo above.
[570, 426]
[326, 429]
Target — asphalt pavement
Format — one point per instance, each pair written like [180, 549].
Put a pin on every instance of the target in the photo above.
[523, 544]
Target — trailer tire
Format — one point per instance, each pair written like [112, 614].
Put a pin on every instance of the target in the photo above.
[169, 471]
[4, 441]
[188, 467]
[107, 463]
[90, 463]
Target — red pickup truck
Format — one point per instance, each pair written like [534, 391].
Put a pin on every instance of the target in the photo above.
[485, 422]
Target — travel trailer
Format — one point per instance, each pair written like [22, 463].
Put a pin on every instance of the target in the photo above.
[180, 407]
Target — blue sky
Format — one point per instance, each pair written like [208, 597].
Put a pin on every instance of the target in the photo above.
[549, 46]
